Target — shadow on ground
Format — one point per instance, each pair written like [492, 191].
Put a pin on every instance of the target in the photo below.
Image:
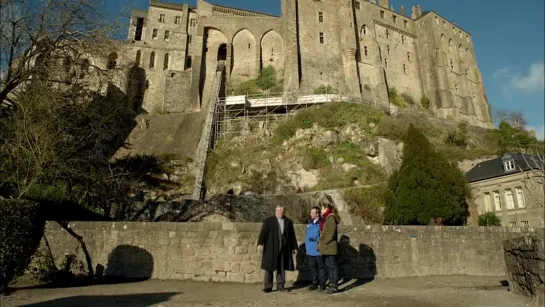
[133, 300]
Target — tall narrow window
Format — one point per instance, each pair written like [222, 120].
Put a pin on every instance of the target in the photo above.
[451, 64]
[364, 30]
[394, 18]
[520, 198]
[188, 62]
[357, 5]
[321, 38]
[167, 35]
[165, 63]
[192, 22]
[365, 50]
[405, 23]
[189, 39]
[152, 60]
[509, 165]
[162, 18]
[509, 201]
[154, 34]
[408, 56]
[403, 39]
[450, 44]
[178, 20]
[386, 63]
[456, 88]
[387, 33]
[139, 28]
[320, 17]
[497, 201]
[404, 69]
[138, 57]
[388, 49]
[487, 202]
[381, 14]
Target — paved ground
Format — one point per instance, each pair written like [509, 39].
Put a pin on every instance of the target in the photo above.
[422, 292]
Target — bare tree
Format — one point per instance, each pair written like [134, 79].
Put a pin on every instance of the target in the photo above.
[514, 118]
[535, 175]
[34, 34]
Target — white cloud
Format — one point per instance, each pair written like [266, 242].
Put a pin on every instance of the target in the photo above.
[539, 130]
[531, 81]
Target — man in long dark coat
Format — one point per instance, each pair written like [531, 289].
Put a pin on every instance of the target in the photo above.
[277, 242]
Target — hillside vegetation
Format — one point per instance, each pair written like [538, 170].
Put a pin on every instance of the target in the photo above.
[335, 146]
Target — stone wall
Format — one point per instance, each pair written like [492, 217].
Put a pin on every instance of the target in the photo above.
[177, 89]
[525, 260]
[227, 251]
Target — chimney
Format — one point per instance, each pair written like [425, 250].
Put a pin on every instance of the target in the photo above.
[403, 10]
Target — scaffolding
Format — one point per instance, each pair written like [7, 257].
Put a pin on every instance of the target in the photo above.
[234, 114]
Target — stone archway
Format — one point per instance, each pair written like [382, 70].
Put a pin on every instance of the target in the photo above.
[272, 51]
[244, 66]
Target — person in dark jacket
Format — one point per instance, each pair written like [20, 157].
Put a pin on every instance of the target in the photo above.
[277, 242]
[316, 263]
[328, 245]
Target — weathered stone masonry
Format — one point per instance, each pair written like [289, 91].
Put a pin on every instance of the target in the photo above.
[227, 251]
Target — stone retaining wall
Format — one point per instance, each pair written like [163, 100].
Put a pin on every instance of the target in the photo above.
[525, 260]
[227, 251]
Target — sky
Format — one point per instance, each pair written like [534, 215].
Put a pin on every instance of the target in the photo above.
[508, 38]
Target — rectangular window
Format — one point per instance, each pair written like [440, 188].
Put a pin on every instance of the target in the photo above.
[408, 56]
[189, 39]
[357, 5]
[497, 201]
[509, 201]
[405, 23]
[178, 20]
[193, 22]
[381, 14]
[404, 69]
[394, 18]
[321, 38]
[139, 28]
[509, 165]
[365, 50]
[487, 202]
[525, 223]
[386, 63]
[388, 49]
[320, 17]
[154, 35]
[162, 18]
[520, 198]
[167, 35]
[512, 224]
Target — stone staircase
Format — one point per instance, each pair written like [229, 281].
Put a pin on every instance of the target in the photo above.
[207, 136]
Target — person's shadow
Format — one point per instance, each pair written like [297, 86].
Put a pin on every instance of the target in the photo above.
[356, 268]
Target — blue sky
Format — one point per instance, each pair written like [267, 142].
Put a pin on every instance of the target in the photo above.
[508, 37]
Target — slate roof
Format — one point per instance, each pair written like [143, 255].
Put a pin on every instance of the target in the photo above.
[494, 168]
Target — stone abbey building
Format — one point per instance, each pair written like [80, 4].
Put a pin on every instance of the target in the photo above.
[358, 47]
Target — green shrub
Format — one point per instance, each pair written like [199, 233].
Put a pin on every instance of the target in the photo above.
[407, 98]
[325, 89]
[489, 219]
[425, 102]
[267, 78]
[395, 99]
[367, 203]
[248, 88]
[459, 137]
[21, 228]
[42, 268]
[315, 158]
[426, 186]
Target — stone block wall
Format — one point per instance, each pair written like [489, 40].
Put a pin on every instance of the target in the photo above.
[525, 260]
[226, 252]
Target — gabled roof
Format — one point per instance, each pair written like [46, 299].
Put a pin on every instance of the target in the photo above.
[494, 168]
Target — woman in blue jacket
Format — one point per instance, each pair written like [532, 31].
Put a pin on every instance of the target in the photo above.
[317, 267]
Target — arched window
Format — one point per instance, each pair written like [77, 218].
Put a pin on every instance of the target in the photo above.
[138, 57]
[222, 52]
[450, 44]
[364, 30]
[112, 61]
[442, 39]
[386, 63]
[436, 20]
[165, 63]
[152, 60]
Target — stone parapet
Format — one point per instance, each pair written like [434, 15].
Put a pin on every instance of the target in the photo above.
[226, 252]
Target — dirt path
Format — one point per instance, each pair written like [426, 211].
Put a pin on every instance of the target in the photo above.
[422, 292]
